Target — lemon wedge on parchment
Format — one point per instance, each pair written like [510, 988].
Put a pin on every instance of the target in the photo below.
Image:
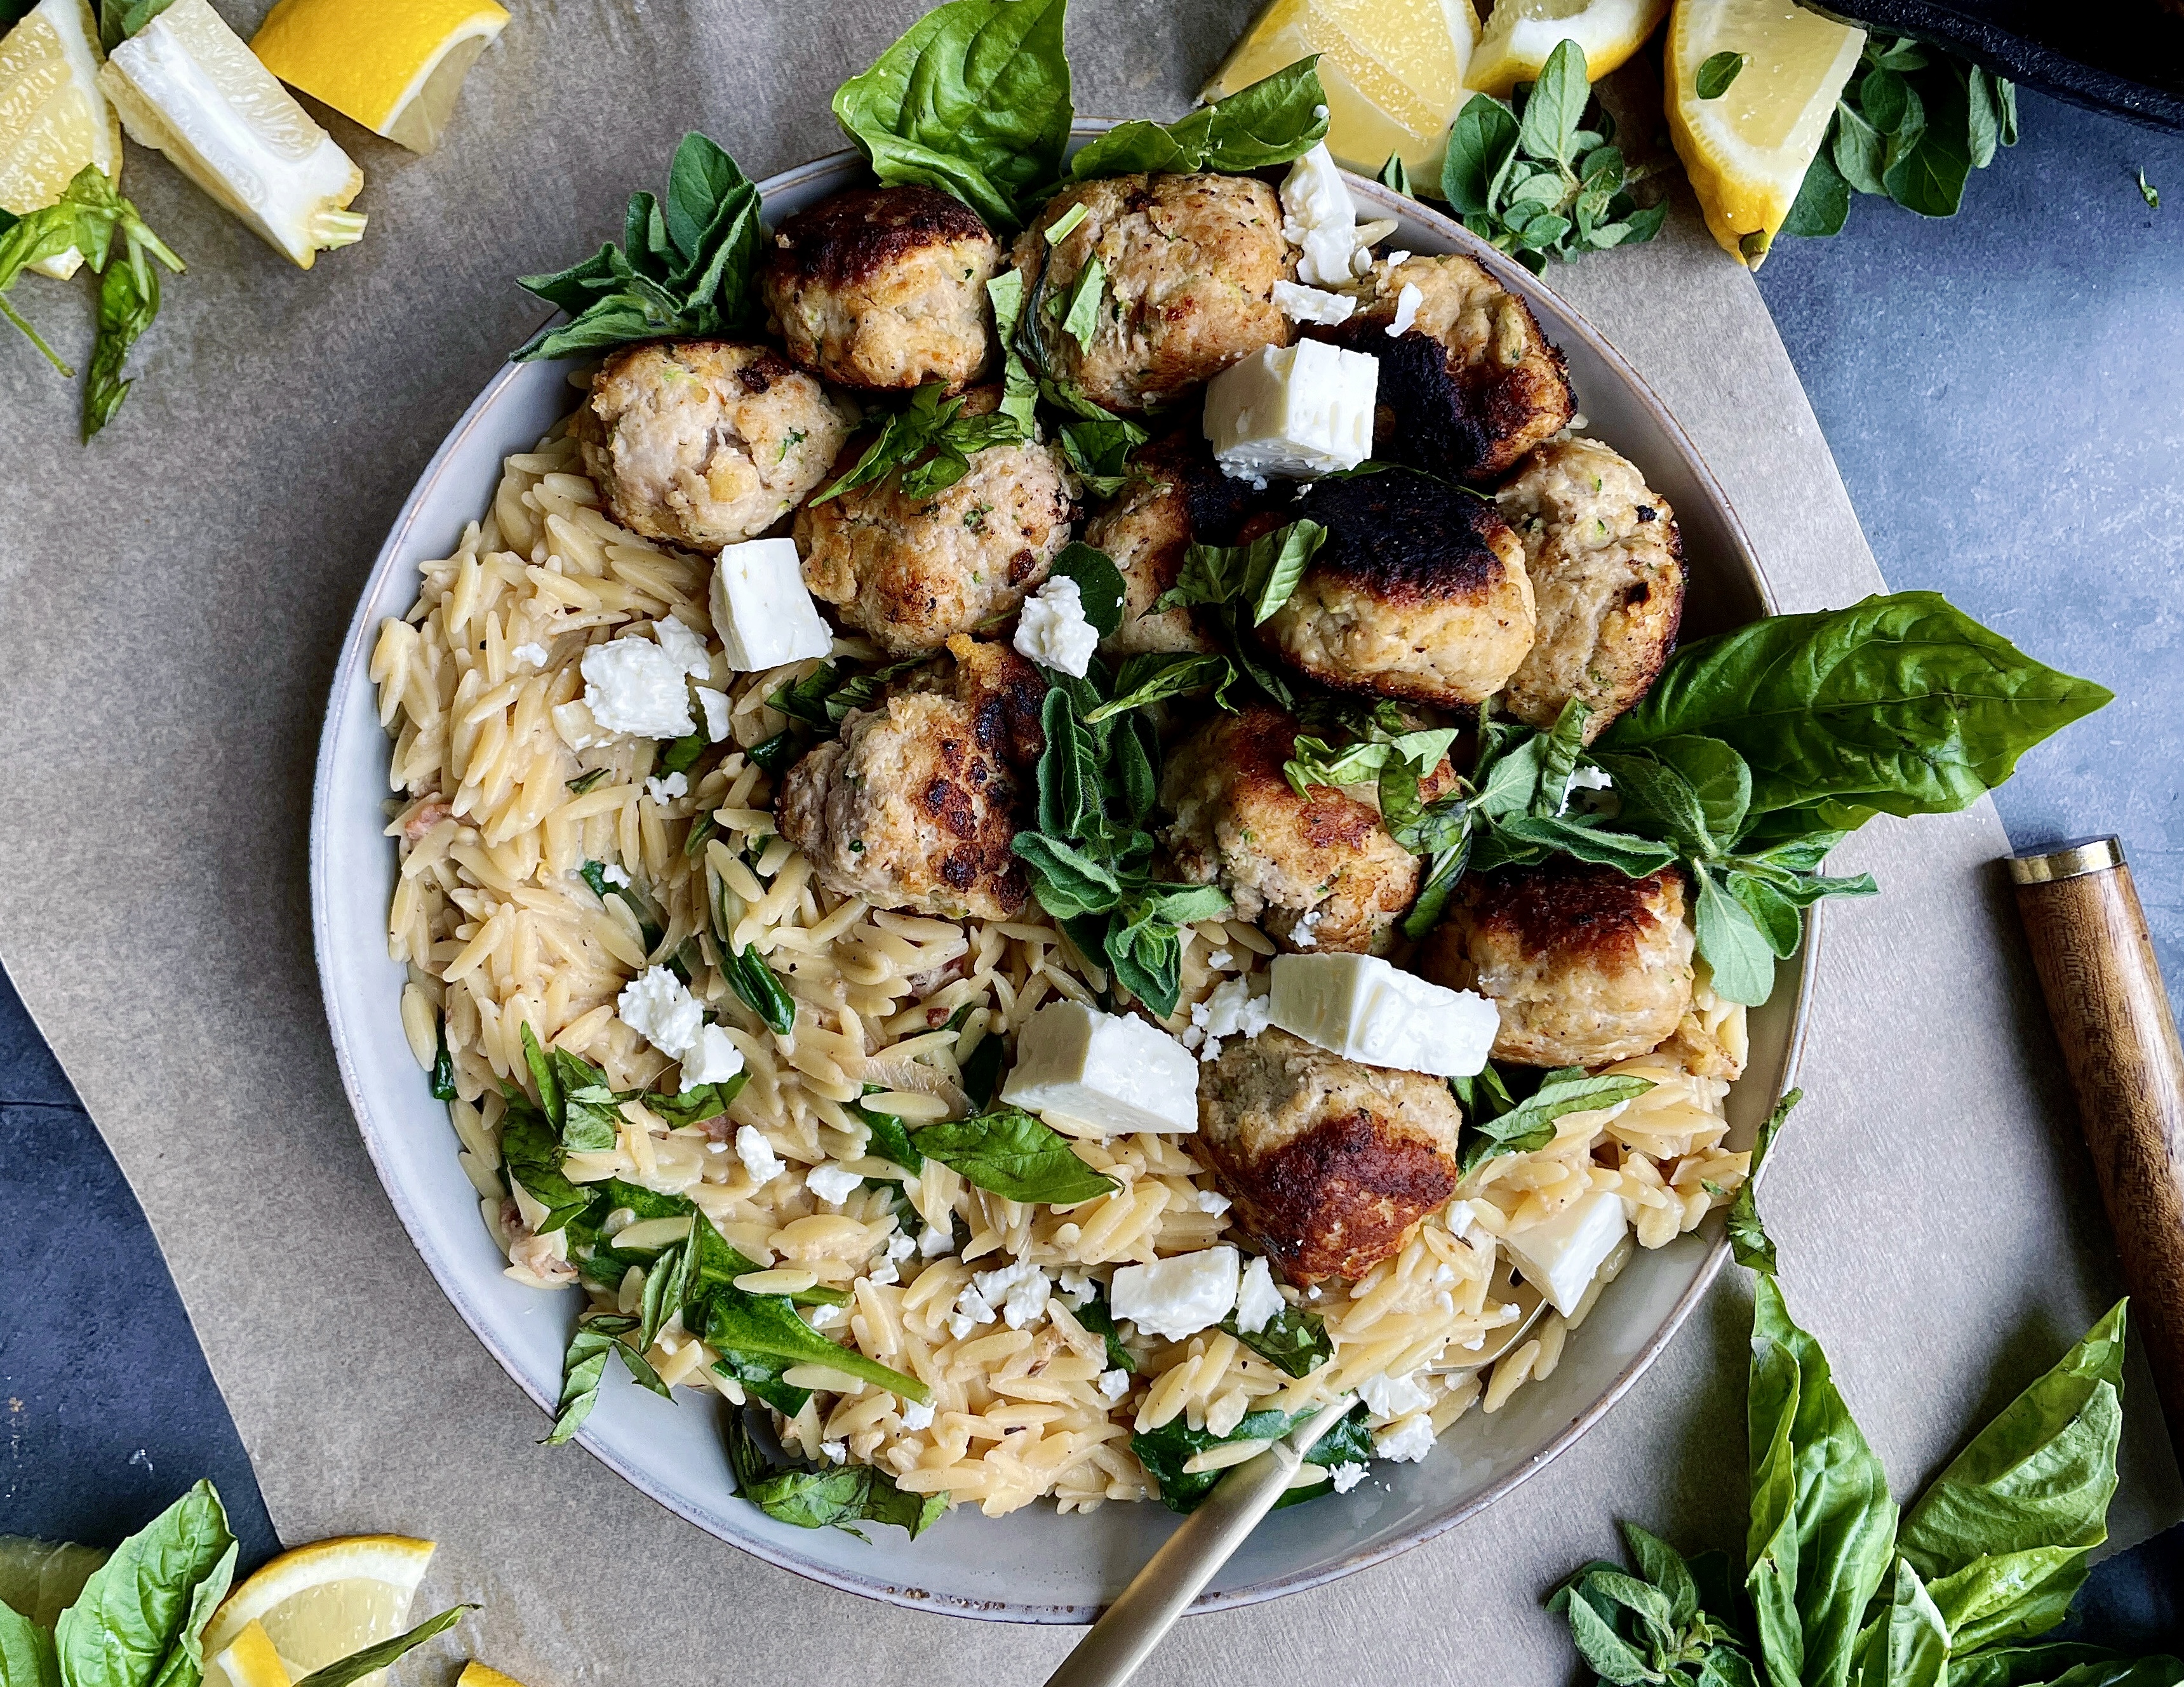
[1520, 34]
[54, 120]
[476, 1675]
[315, 1605]
[395, 66]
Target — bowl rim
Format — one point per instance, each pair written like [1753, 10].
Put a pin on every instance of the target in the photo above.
[1382, 202]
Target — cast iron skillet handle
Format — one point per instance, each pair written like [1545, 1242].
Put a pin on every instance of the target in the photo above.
[1129, 1628]
[2096, 968]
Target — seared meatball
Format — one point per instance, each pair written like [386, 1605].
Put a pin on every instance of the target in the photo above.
[1317, 872]
[1175, 497]
[706, 443]
[1328, 1162]
[1584, 965]
[1607, 582]
[1472, 385]
[911, 806]
[1419, 592]
[884, 287]
[1191, 263]
[911, 572]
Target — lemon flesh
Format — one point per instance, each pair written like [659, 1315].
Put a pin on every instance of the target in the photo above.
[476, 1675]
[395, 66]
[54, 120]
[1747, 150]
[1521, 34]
[321, 1602]
[252, 1661]
[1393, 70]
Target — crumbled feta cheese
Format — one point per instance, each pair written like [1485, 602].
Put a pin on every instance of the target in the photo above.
[971, 1310]
[630, 685]
[1258, 1302]
[1305, 934]
[1320, 113]
[684, 648]
[1103, 1072]
[1406, 310]
[1219, 958]
[1019, 1291]
[1177, 1296]
[1560, 1256]
[715, 705]
[1052, 630]
[761, 609]
[1347, 1475]
[1398, 258]
[1301, 303]
[1318, 217]
[836, 1451]
[1312, 1293]
[1292, 411]
[1076, 1286]
[885, 1273]
[829, 1317]
[532, 655]
[937, 1240]
[1365, 1010]
[1405, 1443]
[614, 874]
[1113, 1385]
[901, 1245]
[832, 1184]
[713, 1059]
[1459, 1218]
[917, 1414]
[1585, 777]
[668, 789]
[1388, 1396]
[1231, 1011]
[757, 1155]
[1213, 1201]
[659, 1007]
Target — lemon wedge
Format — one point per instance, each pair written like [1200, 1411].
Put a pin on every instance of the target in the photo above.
[1520, 34]
[476, 1675]
[1393, 70]
[185, 85]
[252, 1659]
[319, 1603]
[1746, 150]
[393, 65]
[54, 120]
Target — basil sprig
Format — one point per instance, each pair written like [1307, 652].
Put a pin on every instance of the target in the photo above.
[1239, 586]
[1015, 1156]
[1164, 1452]
[823, 1496]
[686, 267]
[1497, 1123]
[926, 444]
[1274, 120]
[1293, 1340]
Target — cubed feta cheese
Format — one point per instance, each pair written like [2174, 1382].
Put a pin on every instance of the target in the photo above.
[1347, 1475]
[684, 648]
[1108, 1072]
[712, 1059]
[1407, 1442]
[715, 705]
[832, 1184]
[1561, 1257]
[630, 685]
[1365, 1010]
[1301, 303]
[1178, 1296]
[1018, 1292]
[532, 655]
[762, 611]
[1052, 630]
[757, 1155]
[1258, 1302]
[659, 1007]
[1318, 215]
[1406, 311]
[1293, 411]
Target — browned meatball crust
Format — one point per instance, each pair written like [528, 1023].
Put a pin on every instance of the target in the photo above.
[1175, 497]
[913, 571]
[1584, 965]
[1317, 872]
[1191, 263]
[1419, 592]
[1472, 385]
[883, 288]
[1607, 582]
[706, 443]
[913, 806]
[1329, 1163]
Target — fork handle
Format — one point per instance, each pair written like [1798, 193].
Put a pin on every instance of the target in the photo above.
[2096, 961]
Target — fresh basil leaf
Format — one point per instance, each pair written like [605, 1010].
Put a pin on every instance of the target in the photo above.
[1080, 312]
[531, 1153]
[1928, 176]
[1006, 1149]
[696, 1106]
[835, 1496]
[982, 1073]
[128, 300]
[973, 99]
[1095, 1316]
[1262, 573]
[1099, 584]
[768, 1323]
[2002, 1535]
[582, 1369]
[761, 1376]
[26, 1652]
[1559, 750]
[1272, 122]
[443, 1062]
[2061, 1663]
[119, 19]
[1299, 542]
[1747, 1236]
[890, 1139]
[359, 1664]
[1294, 1341]
[1906, 1644]
[1099, 450]
[1717, 73]
[141, 1614]
[1396, 175]
[1164, 1451]
[1530, 1123]
[1779, 921]
[1481, 148]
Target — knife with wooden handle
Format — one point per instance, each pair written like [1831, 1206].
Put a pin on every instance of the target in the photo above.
[2097, 967]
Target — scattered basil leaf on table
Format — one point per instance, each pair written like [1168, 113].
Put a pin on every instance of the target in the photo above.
[1272, 122]
[1015, 1156]
[357, 1664]
[836, 1496]
[141, 1615]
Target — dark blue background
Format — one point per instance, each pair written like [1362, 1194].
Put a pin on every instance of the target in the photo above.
[2005, 395]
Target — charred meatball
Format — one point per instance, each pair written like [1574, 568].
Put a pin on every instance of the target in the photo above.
[1607, 582]
[1175, 497]
[1317, 872]
[706, 443]
[1419, 592]
[912, 572]
[1472, 385]
[1328, 1162]
[1584, 965]
[1190, 265]
[911, 806]
[883, 288]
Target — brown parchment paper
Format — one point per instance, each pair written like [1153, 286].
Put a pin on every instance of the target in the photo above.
[173, 597]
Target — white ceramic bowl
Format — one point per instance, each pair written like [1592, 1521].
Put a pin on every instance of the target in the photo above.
[1034, 1565]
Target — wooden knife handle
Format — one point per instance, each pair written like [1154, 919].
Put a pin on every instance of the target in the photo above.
[2103, 988]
